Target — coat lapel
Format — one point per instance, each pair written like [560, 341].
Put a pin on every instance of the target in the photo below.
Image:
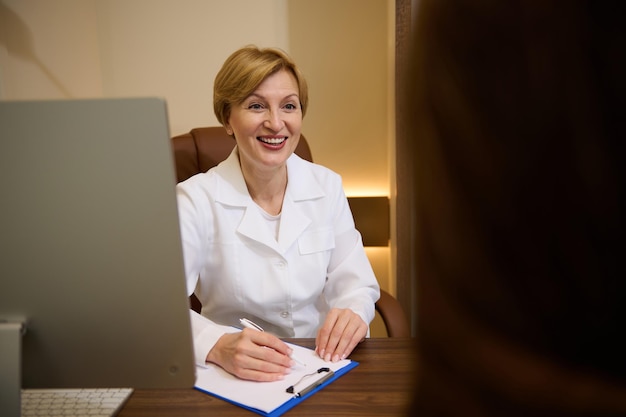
[301, 186]
[292, 223]
[253, 226]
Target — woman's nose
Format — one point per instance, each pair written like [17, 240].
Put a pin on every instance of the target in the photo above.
[274, 121]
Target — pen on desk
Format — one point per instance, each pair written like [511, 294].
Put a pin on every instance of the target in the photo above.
[252, 325]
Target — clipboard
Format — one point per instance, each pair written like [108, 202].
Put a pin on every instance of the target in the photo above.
[270, 398]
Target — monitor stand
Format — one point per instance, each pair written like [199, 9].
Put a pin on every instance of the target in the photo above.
[11, 367]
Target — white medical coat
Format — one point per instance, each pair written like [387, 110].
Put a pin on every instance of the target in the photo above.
[237, 268]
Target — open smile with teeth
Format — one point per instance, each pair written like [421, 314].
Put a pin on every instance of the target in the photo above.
[272, 141]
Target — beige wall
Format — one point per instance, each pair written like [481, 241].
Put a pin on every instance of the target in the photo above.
[173, 48]
[49, 49]
[342, 47]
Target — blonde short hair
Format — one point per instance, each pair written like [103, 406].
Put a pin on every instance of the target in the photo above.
[244, 71]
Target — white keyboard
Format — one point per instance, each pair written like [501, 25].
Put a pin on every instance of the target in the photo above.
[83, 402]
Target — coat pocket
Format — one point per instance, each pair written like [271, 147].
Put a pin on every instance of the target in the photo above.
[319, 240]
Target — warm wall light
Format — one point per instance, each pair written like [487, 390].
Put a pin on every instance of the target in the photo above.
[371, 216]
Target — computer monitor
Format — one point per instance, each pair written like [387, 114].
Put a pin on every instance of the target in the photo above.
[91, 257]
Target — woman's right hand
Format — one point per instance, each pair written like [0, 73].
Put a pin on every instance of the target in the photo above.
[252, 355]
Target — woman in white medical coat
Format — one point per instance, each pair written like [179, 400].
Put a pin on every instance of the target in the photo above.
[269, 236]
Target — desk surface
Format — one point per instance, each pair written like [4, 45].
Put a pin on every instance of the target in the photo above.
[382, 385]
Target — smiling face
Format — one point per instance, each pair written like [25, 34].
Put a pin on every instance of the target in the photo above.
[267, 123]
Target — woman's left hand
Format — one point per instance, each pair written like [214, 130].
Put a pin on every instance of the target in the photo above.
[341, 332]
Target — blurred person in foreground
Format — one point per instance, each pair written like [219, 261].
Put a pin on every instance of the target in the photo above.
[519, 158]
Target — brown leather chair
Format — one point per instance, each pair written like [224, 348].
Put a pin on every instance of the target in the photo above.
[393, 315]
[204, 147]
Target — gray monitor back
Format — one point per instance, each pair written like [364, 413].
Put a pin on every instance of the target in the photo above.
[90, 247]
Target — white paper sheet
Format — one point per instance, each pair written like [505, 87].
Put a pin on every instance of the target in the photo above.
[265, 396]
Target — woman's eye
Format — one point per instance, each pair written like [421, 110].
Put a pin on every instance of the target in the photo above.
[255, 106]
[291, 106]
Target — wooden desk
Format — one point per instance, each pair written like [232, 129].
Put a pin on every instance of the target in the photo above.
[382, 385]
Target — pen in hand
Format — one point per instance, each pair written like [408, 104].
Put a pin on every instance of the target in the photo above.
[252, 325]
